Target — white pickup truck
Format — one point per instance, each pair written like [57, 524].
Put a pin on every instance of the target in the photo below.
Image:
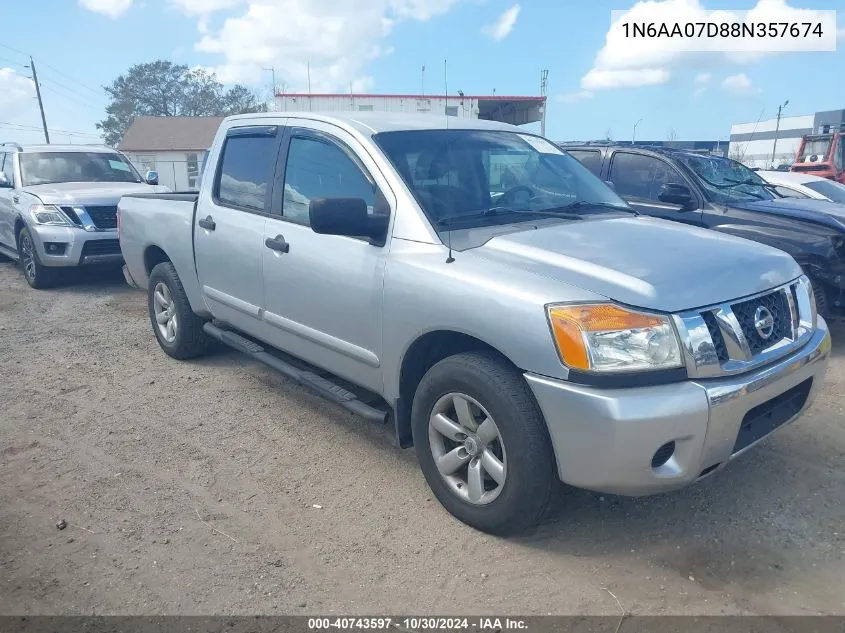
[514, 319]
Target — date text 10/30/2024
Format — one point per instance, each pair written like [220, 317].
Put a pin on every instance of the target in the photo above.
[417, 624]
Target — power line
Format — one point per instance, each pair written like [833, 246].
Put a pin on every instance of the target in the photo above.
[71, 98]
[52, 85]
[54, 69]
[34, 128]
[12, 61]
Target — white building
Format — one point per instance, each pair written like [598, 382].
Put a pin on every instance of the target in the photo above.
[172, 146]
[514, 110]
[754, 143]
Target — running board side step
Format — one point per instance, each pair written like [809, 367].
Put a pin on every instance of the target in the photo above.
[322, 386]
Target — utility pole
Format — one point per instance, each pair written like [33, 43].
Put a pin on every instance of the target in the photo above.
[422, 86]
[273, 71]
[544, 82]
[777, 129]
[634, 137]
[40, 103]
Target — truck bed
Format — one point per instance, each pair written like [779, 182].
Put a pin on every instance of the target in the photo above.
[157, 226]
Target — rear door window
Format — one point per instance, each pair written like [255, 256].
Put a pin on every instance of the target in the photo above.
[246, 170]
[590, 158]
[641, 177]
[7, 166]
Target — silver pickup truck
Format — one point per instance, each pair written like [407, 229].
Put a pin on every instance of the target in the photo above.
[514, 319]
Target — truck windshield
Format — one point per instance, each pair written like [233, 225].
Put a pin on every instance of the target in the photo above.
[481, 177]
[818, 147]
[725, 180]
[41, 168]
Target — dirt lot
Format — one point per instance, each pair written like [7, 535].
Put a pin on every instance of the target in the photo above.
[218, 487]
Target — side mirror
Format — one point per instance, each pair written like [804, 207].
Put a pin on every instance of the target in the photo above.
[4, 181]
[676, 194]
[347, 216]
[151, 178]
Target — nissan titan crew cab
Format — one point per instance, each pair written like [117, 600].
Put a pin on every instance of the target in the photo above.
[512, 317]
[58, 206]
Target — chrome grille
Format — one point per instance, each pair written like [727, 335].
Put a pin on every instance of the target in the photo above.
[740, 335]
[777, 305]
[103, 216]
[716, 335]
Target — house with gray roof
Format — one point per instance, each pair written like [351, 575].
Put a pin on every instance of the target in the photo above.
[173, 146]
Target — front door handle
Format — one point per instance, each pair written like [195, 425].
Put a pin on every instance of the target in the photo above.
[277, 244]
[208, 223]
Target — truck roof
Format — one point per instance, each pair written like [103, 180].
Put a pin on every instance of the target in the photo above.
[55, 148]
[370, 123]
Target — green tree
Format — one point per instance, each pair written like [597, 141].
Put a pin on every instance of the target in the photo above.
[162, 88]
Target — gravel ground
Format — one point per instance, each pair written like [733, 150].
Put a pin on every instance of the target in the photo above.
[216, 486]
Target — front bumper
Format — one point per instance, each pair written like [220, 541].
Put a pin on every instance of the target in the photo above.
[605, 439]
[81, 247]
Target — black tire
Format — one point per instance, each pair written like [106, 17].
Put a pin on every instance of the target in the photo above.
[531, 470]
[36, 274]
[190, 339]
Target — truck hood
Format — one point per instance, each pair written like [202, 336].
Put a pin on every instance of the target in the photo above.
[645, 262]
[83, 193]
[822, 212]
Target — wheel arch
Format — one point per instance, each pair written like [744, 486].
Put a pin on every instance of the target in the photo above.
[422, 354]
[153, 256]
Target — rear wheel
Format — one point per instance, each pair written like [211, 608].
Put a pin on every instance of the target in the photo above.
[482, 443]
[177, 329]
[36, 274]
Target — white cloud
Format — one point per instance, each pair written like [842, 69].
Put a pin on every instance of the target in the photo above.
[702, 80]
[16, 94]
[640, 61]
[204, 7]
[338, 38]
[502, 27]
[598, 79]
[111, 8]
[739, 84]
[574, 97]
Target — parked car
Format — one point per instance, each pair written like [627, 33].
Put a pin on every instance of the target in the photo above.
[801, 185]
[507, 311]
[58, 206]
[722, 194]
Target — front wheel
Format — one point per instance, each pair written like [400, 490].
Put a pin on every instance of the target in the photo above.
[482, 443]
[178, 330]
[36, 274]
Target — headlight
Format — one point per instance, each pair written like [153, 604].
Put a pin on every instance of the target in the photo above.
[48, 214]
[607, 338]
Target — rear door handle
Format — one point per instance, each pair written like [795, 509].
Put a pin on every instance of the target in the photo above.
[277, 244]
[208, 223]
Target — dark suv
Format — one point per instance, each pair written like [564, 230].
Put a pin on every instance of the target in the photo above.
[722, 194]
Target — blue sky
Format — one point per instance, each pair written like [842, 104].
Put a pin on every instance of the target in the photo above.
[79, 45]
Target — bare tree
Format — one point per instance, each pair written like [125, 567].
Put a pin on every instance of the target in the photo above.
[671, 136]
[737, 153]
[608, 135]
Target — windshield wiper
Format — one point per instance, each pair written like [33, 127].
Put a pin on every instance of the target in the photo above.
[496, 211]
[585, 205]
